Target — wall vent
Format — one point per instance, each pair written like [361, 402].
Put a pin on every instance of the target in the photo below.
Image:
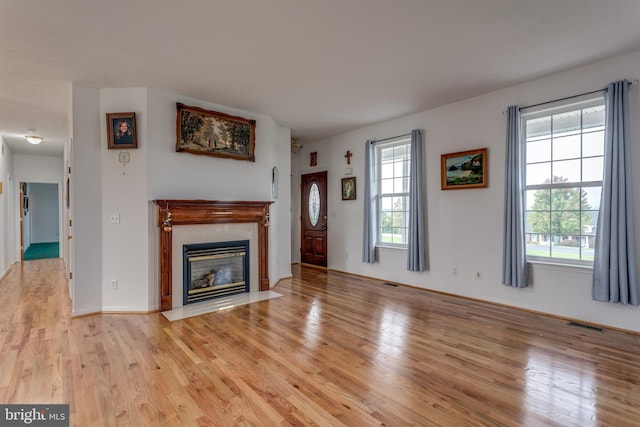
[582, 325]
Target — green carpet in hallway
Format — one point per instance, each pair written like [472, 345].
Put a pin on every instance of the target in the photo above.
[42, 250]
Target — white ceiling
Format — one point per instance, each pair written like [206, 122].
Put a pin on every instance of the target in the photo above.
[320, 67]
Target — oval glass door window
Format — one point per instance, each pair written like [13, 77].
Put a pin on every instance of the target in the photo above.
[314, 204]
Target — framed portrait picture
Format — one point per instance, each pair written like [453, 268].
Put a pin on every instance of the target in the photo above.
[121, 131]
[349, 188]
[216, 134]
[464, 169]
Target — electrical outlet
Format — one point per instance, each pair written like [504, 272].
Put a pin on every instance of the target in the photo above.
[454, 271]
[114, 284]
[478, 275]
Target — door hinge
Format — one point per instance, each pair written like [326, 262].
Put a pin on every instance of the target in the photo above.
[70, 223]
[69, 170]
[70, 275]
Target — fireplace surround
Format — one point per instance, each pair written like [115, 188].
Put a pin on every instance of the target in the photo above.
[172, 213]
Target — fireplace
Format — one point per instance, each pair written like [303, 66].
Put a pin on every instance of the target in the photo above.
[213, 270]
[202, 213]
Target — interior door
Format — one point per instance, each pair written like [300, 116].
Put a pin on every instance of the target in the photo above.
[313, 247]
[68, 225]
[22, 194]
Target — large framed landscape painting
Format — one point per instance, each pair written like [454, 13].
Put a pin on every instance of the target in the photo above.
[464, 169]
[211, 133]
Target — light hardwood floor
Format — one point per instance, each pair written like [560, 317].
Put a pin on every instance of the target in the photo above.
[334, 350]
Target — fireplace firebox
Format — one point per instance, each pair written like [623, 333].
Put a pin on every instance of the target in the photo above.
[213, 270]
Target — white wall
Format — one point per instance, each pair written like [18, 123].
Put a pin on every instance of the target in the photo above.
[7, 240]
[127, 251]
[124, 193]
[473, 216]
[86, 199]
[43, 205]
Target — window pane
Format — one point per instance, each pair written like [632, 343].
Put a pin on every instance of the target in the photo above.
[591, 198]
[386, 186]
[385, 203]
[539, 151]
[565, 223]
[386, 171]
[566, 248]
[401, 168]
[593, 144]
[566, 123]
[593, 117]
[590, 230]
[537, 222]
[386, 155]
[399, 235]
[399, 185]
[567, 147]
[593, 169]
[560, 221]
[539, 173]
[566, 171]
[385, 222]
[537, 200]
[538, 128]
[538, 245]
[393, 164]
[401, 152]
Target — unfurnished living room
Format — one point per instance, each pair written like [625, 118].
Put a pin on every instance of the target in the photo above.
[338, 212]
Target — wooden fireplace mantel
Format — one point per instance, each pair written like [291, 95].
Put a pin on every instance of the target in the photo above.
[172, 213]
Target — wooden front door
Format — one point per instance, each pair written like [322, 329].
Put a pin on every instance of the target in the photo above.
[314, 219]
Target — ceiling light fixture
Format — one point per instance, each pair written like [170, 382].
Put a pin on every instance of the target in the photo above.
[295, 146]
[32, 138]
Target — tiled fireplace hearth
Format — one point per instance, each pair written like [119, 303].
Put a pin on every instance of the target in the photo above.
[172, 214]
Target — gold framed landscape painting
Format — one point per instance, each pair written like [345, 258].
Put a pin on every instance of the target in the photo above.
[211, 133]
[464, 169]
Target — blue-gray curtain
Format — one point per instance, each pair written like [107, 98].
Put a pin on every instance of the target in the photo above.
[614, 266]
[514, 258]
[416, 255]
[369, 221]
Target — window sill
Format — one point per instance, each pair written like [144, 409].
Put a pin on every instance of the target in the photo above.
[383, 246]
[585, 269]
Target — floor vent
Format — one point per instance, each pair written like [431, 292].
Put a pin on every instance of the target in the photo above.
[390, 284]
[582, 325]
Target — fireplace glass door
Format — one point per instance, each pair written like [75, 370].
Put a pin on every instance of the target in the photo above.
[213, 270]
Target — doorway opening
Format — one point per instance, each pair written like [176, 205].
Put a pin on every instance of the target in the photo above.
[39, 221]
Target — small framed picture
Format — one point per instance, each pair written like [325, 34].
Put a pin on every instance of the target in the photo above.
[313, 159]
[349, 188]
[464, 169]
[121, 131]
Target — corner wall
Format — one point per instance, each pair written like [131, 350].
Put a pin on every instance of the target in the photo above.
[127, 251]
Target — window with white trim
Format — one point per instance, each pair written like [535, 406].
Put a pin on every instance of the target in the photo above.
[564, 161]
[392, 164]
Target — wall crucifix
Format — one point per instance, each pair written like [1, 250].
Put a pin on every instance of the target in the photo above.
[348, 157]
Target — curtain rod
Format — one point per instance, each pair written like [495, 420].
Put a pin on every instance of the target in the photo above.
[634, 82]
[391, 137]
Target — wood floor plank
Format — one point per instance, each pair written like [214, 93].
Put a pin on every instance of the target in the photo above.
[335, 349]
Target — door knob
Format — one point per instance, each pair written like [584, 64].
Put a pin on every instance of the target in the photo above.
[69, 237]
